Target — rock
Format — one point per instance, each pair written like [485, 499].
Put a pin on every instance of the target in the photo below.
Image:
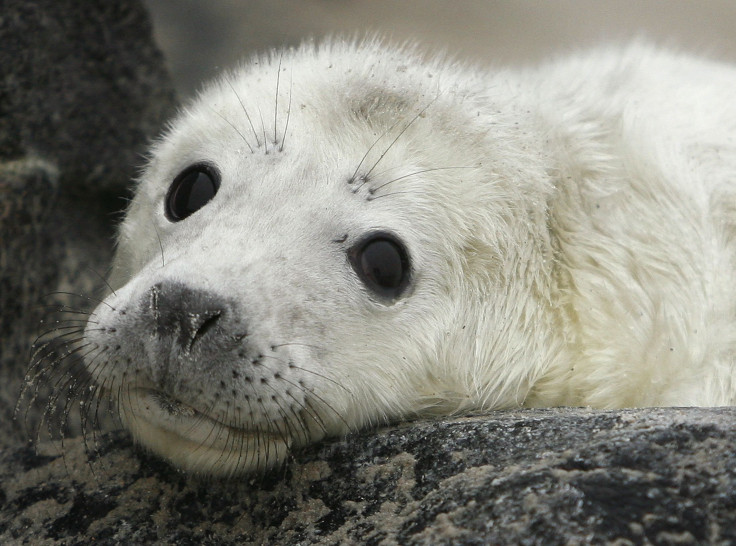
[558, 476]
[83, 90]
[83, 87]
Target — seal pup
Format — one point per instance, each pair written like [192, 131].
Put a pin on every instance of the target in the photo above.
[341, 235]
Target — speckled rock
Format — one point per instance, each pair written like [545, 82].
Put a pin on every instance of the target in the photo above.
[82, 90]
[561, 476]
[83, 86]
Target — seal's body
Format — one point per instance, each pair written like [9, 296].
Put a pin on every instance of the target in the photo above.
[342, 235]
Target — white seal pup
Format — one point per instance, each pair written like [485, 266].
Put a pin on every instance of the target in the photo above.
[341, 235]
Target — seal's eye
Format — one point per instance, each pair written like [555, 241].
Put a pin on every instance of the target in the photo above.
[191, 190]
[382, 263]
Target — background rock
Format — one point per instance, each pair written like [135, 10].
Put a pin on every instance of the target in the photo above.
[82, 90]
[82, 87]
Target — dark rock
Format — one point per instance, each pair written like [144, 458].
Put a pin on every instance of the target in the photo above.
[82, 86]
[82, 90]
[556, 476]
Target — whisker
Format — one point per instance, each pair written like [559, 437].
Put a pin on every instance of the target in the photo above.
[312, 393]
[95, 368]
[303, 407]
[245, 111]
[65, 386]
[406, 127]
[213, 426]
[370, 148]
[329, 407]
[103, 278]
[276, 105]
[52, 308]
[160, 244]
[288, 114]
[257, 435]
[415, 173]
[322, 376]
[66, 376]
[291, 364]
[242, 136]
[295, 344]
[239, 421]
[288, 423]
[263, 128]
[300, 404]
[88, 298]
[373, 198]
[115, 402]
[45, 361]
[89, 392]
[76, 328]
[37, 371]
[99, 391]
[270, 426]
[230, 438]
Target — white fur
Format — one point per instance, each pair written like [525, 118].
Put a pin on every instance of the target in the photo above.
[574, 245]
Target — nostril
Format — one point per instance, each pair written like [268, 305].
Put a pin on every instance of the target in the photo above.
[206, 325]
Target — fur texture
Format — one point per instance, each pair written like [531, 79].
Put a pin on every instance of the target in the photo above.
[569, 229]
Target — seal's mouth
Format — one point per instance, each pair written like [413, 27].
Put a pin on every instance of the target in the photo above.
[172, 406]
[195, 441]
[177, 417]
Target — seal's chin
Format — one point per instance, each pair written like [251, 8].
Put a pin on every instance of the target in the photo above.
[195, 442]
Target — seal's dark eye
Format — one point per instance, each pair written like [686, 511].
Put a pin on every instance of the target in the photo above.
[382, 264]
[191, 190]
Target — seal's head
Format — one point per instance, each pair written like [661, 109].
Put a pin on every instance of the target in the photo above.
[325, 239]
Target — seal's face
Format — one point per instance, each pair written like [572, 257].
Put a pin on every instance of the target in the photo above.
[276, 282]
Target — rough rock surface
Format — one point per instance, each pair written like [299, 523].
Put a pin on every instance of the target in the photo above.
[561, 476]
[82, 86]
[82, 90]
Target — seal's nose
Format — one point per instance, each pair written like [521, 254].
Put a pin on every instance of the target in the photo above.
[185, 315]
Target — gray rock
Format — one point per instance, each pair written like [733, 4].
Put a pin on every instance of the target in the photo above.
[82, 86]
[561, 476]
[82, 90]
